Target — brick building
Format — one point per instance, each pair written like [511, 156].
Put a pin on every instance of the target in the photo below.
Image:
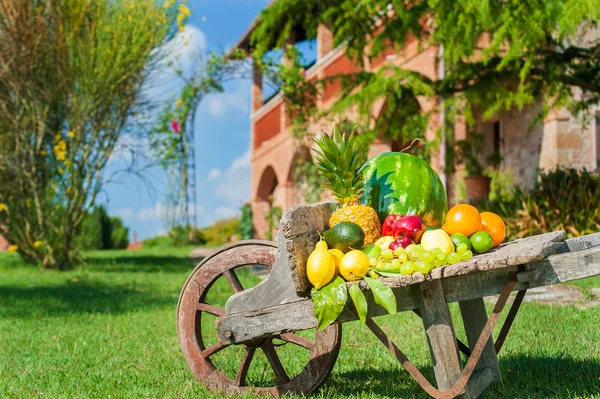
[561, 140]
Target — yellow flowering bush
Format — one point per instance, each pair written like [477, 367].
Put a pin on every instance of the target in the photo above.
[59, 128]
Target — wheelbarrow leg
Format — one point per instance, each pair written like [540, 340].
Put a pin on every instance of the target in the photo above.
[474, 318]
[440, 336]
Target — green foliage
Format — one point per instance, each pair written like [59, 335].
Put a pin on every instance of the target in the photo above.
[246, 230]
[359, 301]
[535, 51]
[563, 199]
[273, 219]
[71, 80]
[159, 242]
[222, 231]
[99, 231]
[95, 230]
[383, 295]
[119, 234]
[329, 301]
[502, 185]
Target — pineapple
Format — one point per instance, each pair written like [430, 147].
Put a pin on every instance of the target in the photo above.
[339, 161]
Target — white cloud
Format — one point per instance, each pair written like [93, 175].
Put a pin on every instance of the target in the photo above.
[214, 174]
[233, 186]
[218, 104]
[182, 53]
[123, 213]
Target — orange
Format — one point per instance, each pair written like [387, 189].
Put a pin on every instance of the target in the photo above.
[494, 225]
[463, 219]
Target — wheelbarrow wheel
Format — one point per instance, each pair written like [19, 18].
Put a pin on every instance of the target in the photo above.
[218, 375]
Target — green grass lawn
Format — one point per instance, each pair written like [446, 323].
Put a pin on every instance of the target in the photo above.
[107, 330]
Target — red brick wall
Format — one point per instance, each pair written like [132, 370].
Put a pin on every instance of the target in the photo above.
[341, 66]
[267, 126]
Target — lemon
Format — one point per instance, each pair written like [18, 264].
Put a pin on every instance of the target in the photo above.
[320, 266]
[321, 245]
[353, 265]
[337, 255]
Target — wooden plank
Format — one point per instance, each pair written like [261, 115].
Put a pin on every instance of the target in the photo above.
[258, 324]
[563, 268]
[306, 219]
[581, 243]
[440, 335]
[479, 382]
[474, 317]
[297, 251]
[254, 325]
[276, 289]
[299, 314]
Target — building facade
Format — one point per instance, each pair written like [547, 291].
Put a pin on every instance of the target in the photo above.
[561, 140]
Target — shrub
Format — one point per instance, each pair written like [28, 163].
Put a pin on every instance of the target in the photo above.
[119, 234]
[222, 231]
[178, 236]
[158, 242]
[563, 199]
[95, 230]
[246, 230]
[99, 231]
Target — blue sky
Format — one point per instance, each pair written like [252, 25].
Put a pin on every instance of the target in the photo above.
[222, 130]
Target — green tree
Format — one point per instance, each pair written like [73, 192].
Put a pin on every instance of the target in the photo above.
[246, 229]
[536, 50]
[71, 78]
[119, 234]
[99, 231]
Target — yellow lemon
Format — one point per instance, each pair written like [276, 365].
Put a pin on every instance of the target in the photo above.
[320, 267]
[353, 265]
[321, 245]
[337, 255]
[437, 239]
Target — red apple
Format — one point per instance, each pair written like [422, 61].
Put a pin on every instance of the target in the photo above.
[387, 229]
[412, 227]
[401, 242]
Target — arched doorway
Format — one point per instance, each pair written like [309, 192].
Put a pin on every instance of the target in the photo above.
[267, 197]
[396, 130]
[302, 179]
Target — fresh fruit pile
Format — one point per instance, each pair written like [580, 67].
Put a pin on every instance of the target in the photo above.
[408, 196]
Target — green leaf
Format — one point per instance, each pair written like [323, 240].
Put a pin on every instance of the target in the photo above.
[329, 301]
[383, 295]
[388, 272]
[360, 302]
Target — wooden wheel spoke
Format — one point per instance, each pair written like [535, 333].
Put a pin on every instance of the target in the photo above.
[205, 307]
[211, 350]
[233, 280]
[240, 378]
[273, 359]
[298, 340]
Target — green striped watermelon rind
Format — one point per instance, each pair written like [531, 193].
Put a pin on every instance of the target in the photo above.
[399, 183]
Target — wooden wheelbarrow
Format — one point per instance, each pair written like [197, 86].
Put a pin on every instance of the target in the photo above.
[280, 305]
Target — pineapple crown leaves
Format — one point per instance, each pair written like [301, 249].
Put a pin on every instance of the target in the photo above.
[339, 162]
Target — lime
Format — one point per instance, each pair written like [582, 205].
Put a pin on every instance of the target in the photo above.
[459, 238]
[482, 242]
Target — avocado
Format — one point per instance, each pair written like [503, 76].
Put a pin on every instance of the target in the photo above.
[345, 236]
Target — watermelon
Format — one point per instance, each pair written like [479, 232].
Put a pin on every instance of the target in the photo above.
[399, 183]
